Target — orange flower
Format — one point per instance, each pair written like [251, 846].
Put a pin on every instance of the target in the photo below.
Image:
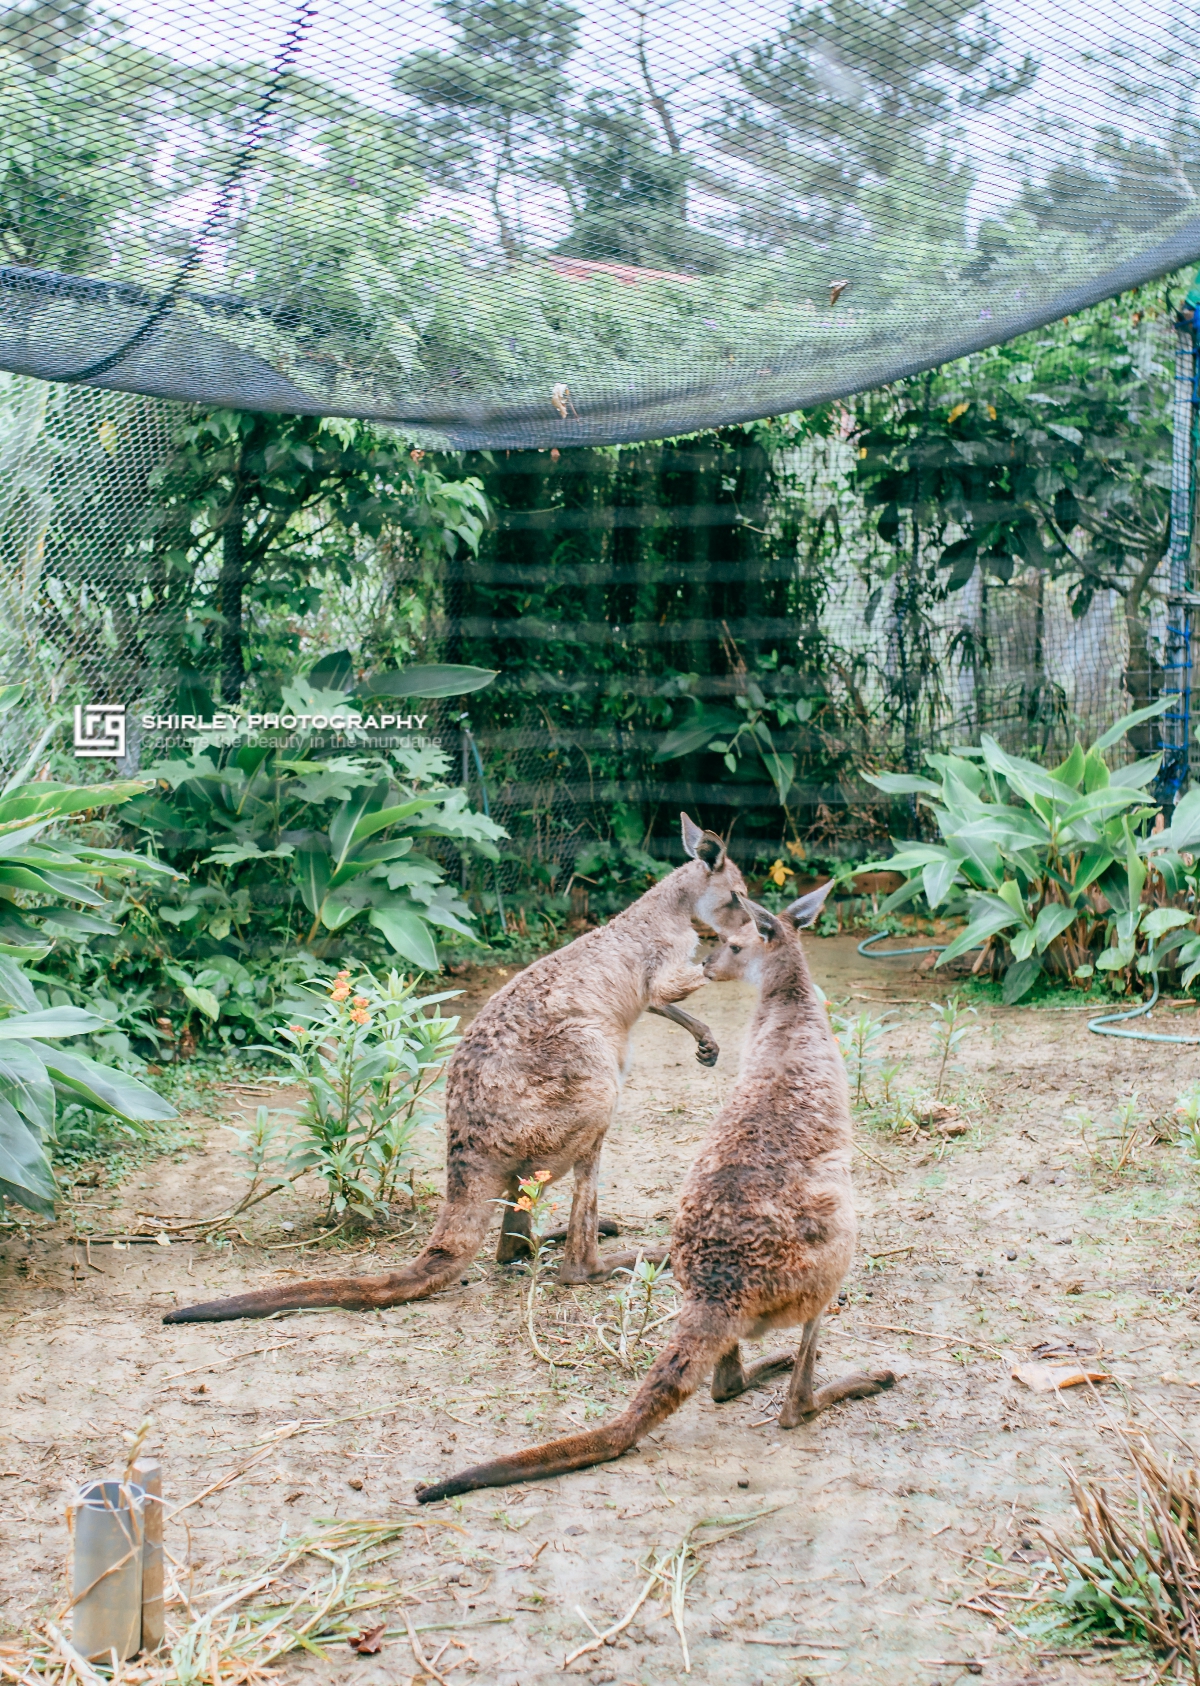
[361, 1016]
[344, 974]
[524, 1204]
[362, 1001]
[297, 1029]
[340, 992]
[541, 1176]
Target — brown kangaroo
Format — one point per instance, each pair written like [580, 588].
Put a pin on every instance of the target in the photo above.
[534, 1085]
[765, 1230]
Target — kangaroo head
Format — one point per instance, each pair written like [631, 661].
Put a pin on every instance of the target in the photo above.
[719, 902]
[766, 936]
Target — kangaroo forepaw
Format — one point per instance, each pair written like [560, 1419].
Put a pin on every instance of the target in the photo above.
[707, 1052]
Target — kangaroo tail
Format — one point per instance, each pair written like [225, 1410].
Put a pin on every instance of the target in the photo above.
[453, 1244]
[703, 1335]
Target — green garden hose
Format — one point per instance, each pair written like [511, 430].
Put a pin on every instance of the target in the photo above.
[1099, 1026]
[865, 948]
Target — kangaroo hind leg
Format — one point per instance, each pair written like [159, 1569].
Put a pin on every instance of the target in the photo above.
[802, 1403]
[731, 1377]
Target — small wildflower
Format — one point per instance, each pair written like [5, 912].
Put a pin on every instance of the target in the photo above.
[524, 1204]
[541, 1176]
[296, 1029]
[360, 1015]
[779, 874]
[344, 974]
[340, 992]
[362, 1001]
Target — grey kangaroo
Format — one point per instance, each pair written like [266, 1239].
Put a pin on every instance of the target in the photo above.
[765, 1230]
[534, 1085]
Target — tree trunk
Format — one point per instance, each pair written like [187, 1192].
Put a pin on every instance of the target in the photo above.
[230, 589]
[1143, 675]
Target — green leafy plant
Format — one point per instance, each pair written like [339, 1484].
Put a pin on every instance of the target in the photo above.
[367, 1054]
[1032, 849]
[860, 1040]
[635, 1306]
[287, 845]
[41, 870]
[951, 1026]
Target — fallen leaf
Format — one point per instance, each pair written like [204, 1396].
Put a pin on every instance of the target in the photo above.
[953, 1127]
[368, 1642]
[1074, 1286]
[836, 289]
[1049, 1378]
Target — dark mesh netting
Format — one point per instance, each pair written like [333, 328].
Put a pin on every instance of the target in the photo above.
[527, 222]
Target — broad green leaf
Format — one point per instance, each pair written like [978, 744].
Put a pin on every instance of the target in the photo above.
[1160, 920]
[1010, 894]
[25, 1174]
[367, 800]
[1115, 959]
[1183, 833]
[1072, 769]
[1022, 944]
[938, 877]
[50, 1021]
[685, 740]
[1111, 800]
[434, 680]
[986, 921]
[25, 1086]
[16, 989]
[313, 870]
[1127, 721]
[383, 817]
[407, 932]
[901, 897]
[782, 769]
[1051, 922]
[204, 1000]
[233, 854]
[100, 1086]
[1091, 864]
[909, 858]
[1096, 774]
[900, 784]
[1020, 979]
[1137, 775]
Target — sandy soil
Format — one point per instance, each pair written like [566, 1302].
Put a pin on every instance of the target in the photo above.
[884, 1507]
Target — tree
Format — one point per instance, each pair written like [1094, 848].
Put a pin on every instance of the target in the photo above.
[257, 511]
[853, 95]
[1051, 454]
[482, 112]
[628, 196]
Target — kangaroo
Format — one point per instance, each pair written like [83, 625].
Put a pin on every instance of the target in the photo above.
[534, 1084]
[765, 1230]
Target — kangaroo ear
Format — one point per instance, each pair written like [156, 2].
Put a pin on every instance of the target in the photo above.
[703, 846]
[769, 928]
[804, 912]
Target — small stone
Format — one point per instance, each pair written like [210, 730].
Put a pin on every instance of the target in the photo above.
[1010, 1257]
[575, 1529]
[743, 1483]
[287, 1229]
[355, 1483]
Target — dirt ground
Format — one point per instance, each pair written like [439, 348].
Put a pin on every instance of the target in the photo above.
[882, 1508]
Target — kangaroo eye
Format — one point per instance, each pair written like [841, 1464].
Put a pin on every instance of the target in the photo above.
[734, 949]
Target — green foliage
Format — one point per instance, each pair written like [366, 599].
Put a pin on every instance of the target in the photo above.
[262, 512]
[284, 846]
[367, 1054]
[616, 873]
[39, 873]
[951, 1027]
[860, 1038]
[1027, 845]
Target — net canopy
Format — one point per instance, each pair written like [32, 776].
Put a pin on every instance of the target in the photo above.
[531, 222]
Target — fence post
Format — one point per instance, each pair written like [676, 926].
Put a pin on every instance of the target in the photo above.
[1181, 598]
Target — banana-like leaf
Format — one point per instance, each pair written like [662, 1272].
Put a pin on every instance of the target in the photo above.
[1051, 922]
[1020, 979]
[686, 740]
[368, 799]
[444, 679]
[938, 878]
[1137, 774]
[102, 1087]
[898, 784]
[407, 932]
[1127, 721]
[55, 800]
[24, 1085]
[382, 817]
[313, 867]
[50, 1021]
[25, 1174]
[989, 916]
[1183, 831]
